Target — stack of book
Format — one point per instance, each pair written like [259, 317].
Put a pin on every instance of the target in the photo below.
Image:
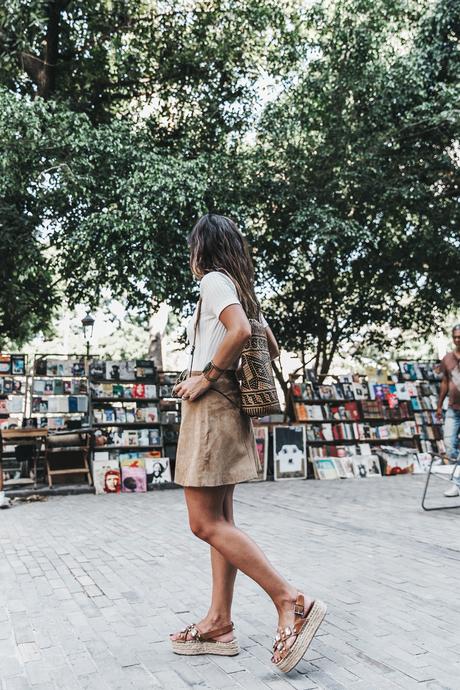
[125, 414]
[13, 390]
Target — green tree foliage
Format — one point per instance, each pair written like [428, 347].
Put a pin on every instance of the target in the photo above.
[194, 63]
[129, 119]
[359, 165]
[28, 295]
[128, 108]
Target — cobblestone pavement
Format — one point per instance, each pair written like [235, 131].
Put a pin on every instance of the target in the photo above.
[92, 585]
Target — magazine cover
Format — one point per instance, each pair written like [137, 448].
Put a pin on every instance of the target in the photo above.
[366, 466]
[397, 460]
[157, 469]
[326, 468]
[261, 436]
[344, 467]
[133, 479]
[106, 474]
[55, 367]
[97, 369]
[5, 364]
[289, 451]
[18, 365]
[128, 369]
[75, 368]
[112, 370]
[145, 368]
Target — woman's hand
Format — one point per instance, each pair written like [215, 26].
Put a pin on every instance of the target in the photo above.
[192, 388]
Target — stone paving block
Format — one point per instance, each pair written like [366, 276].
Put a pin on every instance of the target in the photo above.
[37, 672]
[10, 666]
[298, 681]
[284, 684]
[29, 651]
[261, 669]
[170, 679]
[67, 598]
[16, 683]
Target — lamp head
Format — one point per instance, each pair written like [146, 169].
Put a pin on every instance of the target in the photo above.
[88, 324]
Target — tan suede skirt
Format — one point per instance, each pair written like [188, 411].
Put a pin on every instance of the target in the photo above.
[216, 443]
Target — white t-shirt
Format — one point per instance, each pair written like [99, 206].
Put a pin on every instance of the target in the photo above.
[217, 291]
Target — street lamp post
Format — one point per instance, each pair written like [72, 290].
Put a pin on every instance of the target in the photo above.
[88, 324]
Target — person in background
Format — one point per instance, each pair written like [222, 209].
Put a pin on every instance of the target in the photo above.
[450, 385]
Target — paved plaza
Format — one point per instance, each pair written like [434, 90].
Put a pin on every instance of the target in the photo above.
[92, 585]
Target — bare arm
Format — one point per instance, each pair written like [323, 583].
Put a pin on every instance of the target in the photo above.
[227, 354]
[238, 331]
[237, 325]
[443, 391]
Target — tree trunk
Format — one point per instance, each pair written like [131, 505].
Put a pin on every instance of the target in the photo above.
[326, 356]
[281, 381]
[155, 353]
[42, 70]
[157, 327]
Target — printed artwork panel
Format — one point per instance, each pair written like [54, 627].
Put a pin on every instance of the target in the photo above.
[133, 478]
[157, 469]
[289, 450]
[107, 477]
[365, 466]
[326, 468]
[345, 467]
[261, 436]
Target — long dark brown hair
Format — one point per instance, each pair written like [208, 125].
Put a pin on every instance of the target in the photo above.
[216, 244]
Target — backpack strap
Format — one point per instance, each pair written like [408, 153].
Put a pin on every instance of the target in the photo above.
[195, 328]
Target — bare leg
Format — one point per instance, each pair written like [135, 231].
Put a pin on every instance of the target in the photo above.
[207, 521]
[223, 581]
[223, 575]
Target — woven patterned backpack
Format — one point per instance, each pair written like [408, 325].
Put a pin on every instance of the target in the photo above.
[258, 391]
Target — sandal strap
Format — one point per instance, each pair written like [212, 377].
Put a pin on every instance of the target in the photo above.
[183, 633]
[283, 634]
[217, 632]
[201, 637]
[299, 606]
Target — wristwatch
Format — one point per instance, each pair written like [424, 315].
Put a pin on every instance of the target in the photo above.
[209, 370]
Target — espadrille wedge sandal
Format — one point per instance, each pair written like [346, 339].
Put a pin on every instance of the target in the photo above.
[306, 623]
[204, 643]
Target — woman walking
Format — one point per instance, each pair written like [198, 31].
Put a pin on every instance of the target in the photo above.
[216, 449]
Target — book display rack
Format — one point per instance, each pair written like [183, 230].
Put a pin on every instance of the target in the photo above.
[170, 412]
[131, 418]
[420, 383]
[342, 425]
[124, 406]
[355, 426]
[59, 392]
[393, 416]
[13, 390]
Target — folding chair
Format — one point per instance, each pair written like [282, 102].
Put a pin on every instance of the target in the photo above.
[446, 474]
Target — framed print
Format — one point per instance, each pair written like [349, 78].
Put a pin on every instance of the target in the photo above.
[261, 436]
[107, 478]
[344, 467]
[289, 452]
[133, 477]
[326, 468]
[365, 466]
[157, 469]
